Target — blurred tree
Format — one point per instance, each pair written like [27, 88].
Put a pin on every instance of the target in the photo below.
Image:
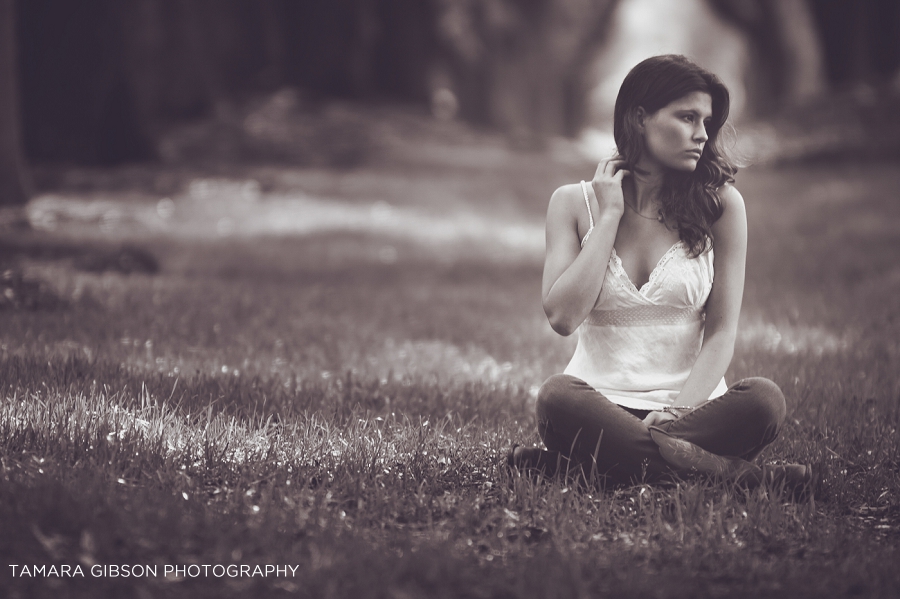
[788, 56]
[102, 77]
[78, 101]
[801, 46]
[522, 65]
[185, 59]
[361, 49]
[13, 178]
[861, 40]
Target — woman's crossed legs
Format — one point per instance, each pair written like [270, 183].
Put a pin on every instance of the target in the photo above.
[582, 429]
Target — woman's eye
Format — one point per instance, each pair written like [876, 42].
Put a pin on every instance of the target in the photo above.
[689, 118]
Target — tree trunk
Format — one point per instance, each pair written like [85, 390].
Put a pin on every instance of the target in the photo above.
[789, 57]
[14, 187]
[861, 40]
[521, 65]
[804, 76]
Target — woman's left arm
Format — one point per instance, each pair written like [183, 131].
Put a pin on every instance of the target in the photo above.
[723, 307]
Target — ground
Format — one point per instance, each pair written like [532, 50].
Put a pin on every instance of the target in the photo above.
[323, 367]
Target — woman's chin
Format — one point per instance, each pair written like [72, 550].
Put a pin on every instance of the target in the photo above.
[688, 166]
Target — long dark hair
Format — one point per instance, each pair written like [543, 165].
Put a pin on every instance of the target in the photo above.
[690, 201]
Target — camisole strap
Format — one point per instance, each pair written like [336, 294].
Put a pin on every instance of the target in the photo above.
[587, 202]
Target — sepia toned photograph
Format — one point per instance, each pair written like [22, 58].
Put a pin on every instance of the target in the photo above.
[484, 299]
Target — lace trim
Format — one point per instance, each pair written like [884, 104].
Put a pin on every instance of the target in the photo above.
[618, 269]
[643, 316]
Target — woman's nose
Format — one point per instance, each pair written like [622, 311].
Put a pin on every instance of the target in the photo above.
[700, 134]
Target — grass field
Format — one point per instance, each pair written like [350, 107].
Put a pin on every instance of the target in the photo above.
[327, 369]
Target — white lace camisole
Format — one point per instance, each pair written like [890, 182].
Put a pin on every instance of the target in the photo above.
[637, 346]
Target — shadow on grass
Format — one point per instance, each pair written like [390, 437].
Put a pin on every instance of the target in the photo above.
[90, 256]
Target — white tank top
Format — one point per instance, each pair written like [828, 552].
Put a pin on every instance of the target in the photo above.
[637, 346]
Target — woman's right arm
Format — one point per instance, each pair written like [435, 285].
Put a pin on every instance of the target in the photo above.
[571, 282]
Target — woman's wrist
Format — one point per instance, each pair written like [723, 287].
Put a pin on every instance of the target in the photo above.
[609, 214]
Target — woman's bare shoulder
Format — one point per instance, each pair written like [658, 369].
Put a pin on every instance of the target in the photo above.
[566, 199]
[734, 213]
[731, 197]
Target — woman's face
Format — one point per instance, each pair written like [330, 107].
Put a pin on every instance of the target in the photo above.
[674, 135]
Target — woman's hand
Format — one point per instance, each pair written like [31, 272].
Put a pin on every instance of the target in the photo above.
[657, 418]
[607, 186]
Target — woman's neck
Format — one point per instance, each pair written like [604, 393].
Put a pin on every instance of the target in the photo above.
[647, 181]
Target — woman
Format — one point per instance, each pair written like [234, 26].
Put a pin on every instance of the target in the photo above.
[647, 263]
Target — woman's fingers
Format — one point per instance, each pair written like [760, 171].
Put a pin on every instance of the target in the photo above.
[613, 166]
[655, 418]
[621, 174]
[608, 167]
[607, 185]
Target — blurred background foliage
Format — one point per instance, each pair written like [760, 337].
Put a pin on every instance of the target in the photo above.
[104, 82]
